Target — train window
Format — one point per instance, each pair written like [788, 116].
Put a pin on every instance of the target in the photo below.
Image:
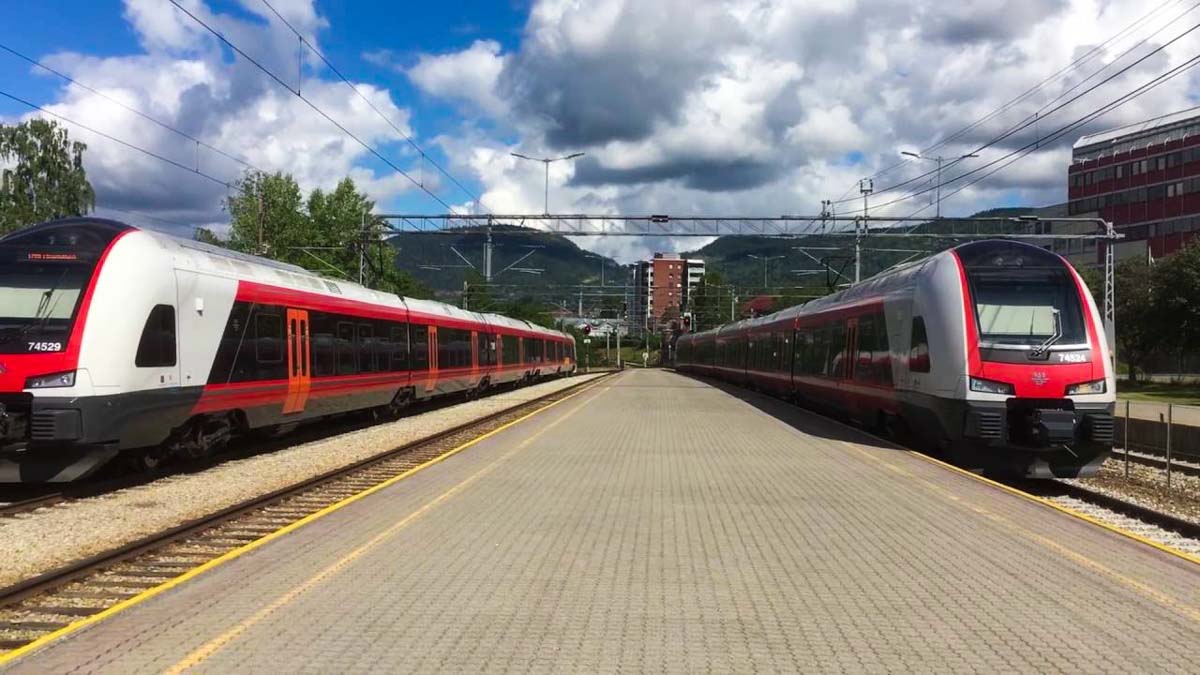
[345, 348]
[156, 349]
[864, 369]
[508, 349]
[454, 348]
[918, 353]
[418, 346]
[366, 348]
[231, 341]
[399, 347]
[836, 365]
[323, 344]
[268, 337]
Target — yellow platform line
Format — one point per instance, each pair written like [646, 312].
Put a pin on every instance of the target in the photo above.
[138, 599]
[1183, 555]
[214, 645]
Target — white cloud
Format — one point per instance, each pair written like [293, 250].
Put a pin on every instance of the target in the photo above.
[754, 107]
[469, 75]
[184, 80]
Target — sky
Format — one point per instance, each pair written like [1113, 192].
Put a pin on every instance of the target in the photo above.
[684, 107]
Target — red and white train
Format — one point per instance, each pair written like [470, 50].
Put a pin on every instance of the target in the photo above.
[119, 340]
[992, 352]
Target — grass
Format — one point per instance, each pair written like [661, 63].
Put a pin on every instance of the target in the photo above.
[1160, 392]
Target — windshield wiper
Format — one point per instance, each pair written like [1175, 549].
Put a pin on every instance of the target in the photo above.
[1039, 352]
[44, 309]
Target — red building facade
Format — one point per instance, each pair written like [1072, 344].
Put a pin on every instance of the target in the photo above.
[1145, 179]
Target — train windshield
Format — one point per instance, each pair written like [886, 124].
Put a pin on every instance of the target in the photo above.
[44, 272]
[1023, 296]
[37, 306]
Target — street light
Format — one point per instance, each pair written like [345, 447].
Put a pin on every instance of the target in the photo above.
[765, 259]
[939, 159]
[546, 163]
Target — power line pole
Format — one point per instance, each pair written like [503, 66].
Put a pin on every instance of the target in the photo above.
[866, 186]
[362, 252]
[487, 253]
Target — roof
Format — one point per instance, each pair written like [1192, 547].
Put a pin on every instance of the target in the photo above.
[1152, 124]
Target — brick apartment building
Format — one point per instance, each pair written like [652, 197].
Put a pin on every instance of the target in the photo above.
[661, 287]
[1145, 179]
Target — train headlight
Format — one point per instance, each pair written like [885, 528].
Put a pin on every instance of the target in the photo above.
[66, 379]
[990, 386]
[1093, 387]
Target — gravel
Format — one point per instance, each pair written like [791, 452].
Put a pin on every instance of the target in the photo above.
[1147, 486]
[52, 537]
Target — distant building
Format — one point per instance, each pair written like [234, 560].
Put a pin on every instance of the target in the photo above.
[1145, 179]
[661, 288]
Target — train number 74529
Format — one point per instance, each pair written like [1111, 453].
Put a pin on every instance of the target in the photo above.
[45, 346]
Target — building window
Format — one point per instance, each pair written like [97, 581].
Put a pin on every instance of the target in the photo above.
[1120, 171]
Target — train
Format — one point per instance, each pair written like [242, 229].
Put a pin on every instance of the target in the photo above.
[991, 354]
[122, 342]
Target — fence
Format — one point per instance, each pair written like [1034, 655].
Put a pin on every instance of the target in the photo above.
[1164, 435]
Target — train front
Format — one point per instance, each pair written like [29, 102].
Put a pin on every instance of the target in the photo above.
[46, 272]
[1040, 384]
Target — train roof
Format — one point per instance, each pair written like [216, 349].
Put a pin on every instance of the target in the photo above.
[972, 253]
[210, 259]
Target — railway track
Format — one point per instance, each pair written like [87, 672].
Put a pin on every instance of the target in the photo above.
[1146, 522]
[1186, 465]
[44, 604]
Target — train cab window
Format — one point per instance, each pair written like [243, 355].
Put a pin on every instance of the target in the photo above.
[345, 348]
[918, 354]
[156, 349]
[268, 337]
[418, 346]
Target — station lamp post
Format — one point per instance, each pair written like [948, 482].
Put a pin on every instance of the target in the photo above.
[546, 161]
[765, 259]
[939, 159]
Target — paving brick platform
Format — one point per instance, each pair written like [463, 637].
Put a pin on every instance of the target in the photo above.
[659, 523]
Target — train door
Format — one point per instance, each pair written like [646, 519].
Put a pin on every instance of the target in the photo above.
[298, 361]
[849, 358]
[432, 355]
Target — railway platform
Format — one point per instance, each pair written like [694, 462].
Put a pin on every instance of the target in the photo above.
[659, 522]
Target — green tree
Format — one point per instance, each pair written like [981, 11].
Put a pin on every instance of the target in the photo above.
[1176, 289]
[1141, 315]
[707, 300]
[324, 233]
[44, 176]
[267, 218]
[207, 236]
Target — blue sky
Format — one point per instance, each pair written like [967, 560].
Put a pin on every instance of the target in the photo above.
[98, 28]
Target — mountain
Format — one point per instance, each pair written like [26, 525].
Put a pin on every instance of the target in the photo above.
[431, 259]
[731, 256]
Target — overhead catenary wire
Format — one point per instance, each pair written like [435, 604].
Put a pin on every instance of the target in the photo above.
[308, 44]
[245, 163]
[127, 144]
[296, 91]
[1038, 117]
[1028, 148]
[1094, 51]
